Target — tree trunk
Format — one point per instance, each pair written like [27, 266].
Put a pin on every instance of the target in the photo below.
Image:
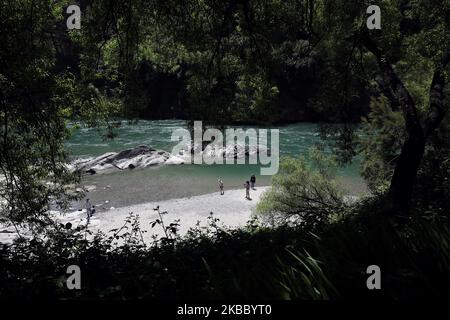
[403, 180]
[404, 177]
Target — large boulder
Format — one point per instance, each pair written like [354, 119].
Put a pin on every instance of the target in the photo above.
[138, 157]
[130, 153]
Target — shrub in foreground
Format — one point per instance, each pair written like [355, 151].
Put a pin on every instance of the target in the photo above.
[250, 263]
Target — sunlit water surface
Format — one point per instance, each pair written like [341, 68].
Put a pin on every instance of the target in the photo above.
[129, 187]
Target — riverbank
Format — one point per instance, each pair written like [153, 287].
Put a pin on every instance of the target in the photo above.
[232, 210]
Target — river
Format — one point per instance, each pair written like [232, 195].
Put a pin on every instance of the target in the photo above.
[124, 188]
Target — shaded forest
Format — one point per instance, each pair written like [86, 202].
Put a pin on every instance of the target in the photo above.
[226, 62]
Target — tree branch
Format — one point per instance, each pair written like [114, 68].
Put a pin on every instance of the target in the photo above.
[437, 109]
[403, 98]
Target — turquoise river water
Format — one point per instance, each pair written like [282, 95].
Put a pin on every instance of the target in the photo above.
[164, 182]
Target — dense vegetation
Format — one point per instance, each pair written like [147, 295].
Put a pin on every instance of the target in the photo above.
[256, 262]
[235, 62]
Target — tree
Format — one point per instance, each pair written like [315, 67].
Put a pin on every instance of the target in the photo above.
[39, 95]
[235, 51]
[412, 33]
[403, 179]
[34, 101]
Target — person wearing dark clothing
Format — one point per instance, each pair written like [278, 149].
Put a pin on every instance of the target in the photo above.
[253, 181]
[88, 209]
[221, 187]
[247, 190]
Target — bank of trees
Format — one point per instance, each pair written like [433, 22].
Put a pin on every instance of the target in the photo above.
[236, 61]
[235, 55]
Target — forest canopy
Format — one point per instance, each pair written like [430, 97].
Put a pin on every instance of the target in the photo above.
[222, 62]
[379, 94]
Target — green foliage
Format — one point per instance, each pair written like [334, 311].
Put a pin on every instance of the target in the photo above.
[235, 59]
[303, 191]
[255, 98]
[304, 279]
[380, 142]
[433, 179]
[39, 96]
[413, 37]
[250, 263]
[34, 100]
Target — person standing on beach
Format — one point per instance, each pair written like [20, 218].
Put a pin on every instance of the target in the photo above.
[247, 190]
[88, 209]
[221, 186]
[253, 181]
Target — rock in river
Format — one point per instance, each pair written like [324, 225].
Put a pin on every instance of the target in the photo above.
[138, 157]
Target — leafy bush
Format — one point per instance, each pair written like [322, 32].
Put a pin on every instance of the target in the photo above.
[254, 262]
[433, 178]
[303, 192]
[380, 143]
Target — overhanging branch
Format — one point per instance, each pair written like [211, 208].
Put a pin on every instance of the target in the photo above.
[437, 109]
[401, 94]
